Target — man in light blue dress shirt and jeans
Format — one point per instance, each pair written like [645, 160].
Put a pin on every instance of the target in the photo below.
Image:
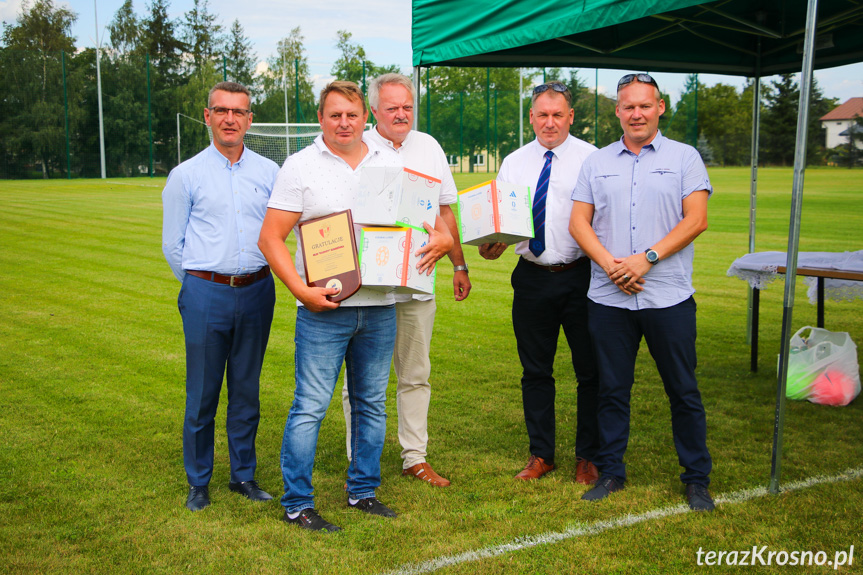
[638, 205]
[214, 205]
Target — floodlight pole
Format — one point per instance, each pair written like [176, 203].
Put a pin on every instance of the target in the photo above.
[793, 240]
[99, 96]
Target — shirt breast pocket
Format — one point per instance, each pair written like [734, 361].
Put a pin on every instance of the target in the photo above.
[604, 187]
[665, 179]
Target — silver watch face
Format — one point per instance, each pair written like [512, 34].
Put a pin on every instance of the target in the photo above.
[652, 256]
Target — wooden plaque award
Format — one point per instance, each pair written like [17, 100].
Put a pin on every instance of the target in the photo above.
[330, 254]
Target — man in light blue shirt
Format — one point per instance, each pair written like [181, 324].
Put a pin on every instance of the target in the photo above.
[214, 205]
[638, 205]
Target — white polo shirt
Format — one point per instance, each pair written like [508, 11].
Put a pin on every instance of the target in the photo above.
[315, 182]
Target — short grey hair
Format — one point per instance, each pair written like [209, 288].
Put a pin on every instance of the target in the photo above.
[232, 87]
[391, 78]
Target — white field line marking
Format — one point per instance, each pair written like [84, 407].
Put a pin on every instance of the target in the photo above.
[600, 526]
[128, 184]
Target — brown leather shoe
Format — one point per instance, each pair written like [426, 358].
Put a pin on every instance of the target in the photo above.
[536, 467]
[586, 472]
[424, 472]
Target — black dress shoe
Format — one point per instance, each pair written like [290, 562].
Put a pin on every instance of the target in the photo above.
[199, 497]
[699, 498]
[251, 490]
[605, 486]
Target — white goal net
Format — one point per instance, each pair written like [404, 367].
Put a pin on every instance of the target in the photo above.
[273, 141]
[278, 141]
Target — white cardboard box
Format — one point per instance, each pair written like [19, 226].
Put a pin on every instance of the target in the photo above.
[387, 260]
[390, 196]
[495, 212]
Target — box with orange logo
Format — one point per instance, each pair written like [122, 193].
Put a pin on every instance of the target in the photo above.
[390, 196]
[387, 260]
[495, 212]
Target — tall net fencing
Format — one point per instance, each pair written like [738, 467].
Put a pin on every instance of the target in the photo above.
[151, 117]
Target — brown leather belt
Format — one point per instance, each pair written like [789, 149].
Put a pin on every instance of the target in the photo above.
[559, 267]
[233, 281]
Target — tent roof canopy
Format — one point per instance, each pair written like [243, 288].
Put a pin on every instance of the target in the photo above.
[736, 37]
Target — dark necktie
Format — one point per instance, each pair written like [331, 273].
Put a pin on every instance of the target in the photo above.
[537, 244]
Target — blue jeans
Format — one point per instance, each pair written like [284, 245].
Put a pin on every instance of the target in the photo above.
[362, 337]
[226, 331]
[670, 335]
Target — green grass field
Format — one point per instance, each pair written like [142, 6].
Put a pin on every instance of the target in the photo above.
[92, 396]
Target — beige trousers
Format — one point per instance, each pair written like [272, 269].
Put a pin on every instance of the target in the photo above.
[415, 322]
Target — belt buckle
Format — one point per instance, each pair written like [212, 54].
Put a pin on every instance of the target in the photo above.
[231, 283]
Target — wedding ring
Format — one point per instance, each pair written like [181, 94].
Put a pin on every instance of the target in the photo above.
[625, 278]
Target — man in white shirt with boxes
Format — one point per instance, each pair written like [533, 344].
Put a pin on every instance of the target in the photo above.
[391, 97]
[550, 283]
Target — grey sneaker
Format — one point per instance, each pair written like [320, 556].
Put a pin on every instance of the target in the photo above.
[372, 506]
[699, 498]
[309, 519]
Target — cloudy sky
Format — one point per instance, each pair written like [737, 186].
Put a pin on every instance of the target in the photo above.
[382, 27]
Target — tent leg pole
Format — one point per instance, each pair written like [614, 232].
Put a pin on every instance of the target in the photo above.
[793, 239]
[417, 84]
[753, 184]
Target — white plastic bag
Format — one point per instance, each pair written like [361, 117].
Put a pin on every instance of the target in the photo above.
[822, 368]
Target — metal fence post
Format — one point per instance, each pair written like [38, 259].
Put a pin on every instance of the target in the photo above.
[151, 166]
[66, 113]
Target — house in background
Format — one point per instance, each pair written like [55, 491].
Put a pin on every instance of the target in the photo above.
[838, 120]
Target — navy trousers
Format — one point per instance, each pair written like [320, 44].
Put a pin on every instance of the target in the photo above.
[543, 302]
[226, 331]
[670, 336]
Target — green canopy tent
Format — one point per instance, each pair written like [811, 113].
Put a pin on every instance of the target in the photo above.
[737, 37]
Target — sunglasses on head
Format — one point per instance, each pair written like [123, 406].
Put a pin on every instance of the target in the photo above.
[643, 78]
[556, 86]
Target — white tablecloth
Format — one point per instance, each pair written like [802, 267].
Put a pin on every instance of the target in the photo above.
[759, 269]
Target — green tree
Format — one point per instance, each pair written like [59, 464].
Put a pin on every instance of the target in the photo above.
[475, 111]
[725, 120]
[125, 29]
[160, 44]
[287, 71]
[353, 64]
[779, 122]
[159, 40]
[202, 33]
[34, 110]
[241, 58]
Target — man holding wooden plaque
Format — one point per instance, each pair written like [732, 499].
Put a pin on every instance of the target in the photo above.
[360, 331]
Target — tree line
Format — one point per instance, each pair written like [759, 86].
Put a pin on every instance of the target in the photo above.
[153, 68]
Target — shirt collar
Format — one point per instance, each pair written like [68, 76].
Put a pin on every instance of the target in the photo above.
[367, 138]
[656, 143]
[220, 158]
[375, 134]
[557, 151]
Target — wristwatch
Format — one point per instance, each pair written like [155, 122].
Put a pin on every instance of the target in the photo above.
[460, 268]
[652, 256]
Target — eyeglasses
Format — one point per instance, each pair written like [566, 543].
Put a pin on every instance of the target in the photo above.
[643, 78]
[556, 86]
[238, 112]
